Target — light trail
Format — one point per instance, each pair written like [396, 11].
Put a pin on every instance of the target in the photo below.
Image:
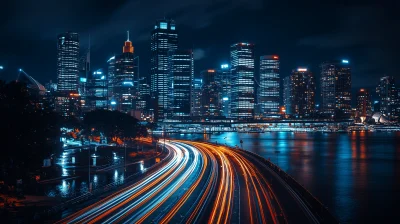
[209, 173]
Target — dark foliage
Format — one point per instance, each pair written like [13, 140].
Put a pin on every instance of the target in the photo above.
[29, 133]
[113, 124]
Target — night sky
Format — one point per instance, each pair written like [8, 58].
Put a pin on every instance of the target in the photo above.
[367, 33]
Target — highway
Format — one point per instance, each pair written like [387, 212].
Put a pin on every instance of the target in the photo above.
[201, 183]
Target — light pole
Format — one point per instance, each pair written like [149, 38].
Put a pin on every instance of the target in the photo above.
[241, 143]
[164, 136]
[225, 140]
[90, 183]
[125, 158]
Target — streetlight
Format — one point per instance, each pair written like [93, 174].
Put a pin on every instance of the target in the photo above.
[241, 143]
[225, 140]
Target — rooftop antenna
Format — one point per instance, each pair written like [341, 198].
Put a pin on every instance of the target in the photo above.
[127, 34]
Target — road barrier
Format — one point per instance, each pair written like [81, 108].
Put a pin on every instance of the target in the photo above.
[319, 210]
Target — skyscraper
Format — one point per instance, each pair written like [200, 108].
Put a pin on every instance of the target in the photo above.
[164, 38]
[123, 82]
[67, 62]
[224, 77]
[364, 103]
[268, 91]
[287, 94]
[67, 96]
[336, 87]
[97, 91]
[211, 102]
[242, 62]
[180, 82]
[388, 95]
[302, 101]
[196, 98]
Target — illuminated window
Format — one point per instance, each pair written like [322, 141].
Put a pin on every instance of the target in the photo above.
[163, 25]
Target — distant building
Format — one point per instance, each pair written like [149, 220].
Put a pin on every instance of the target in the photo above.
[242, 68]
[164, 38]
[389, 97]
[67, 62]
[287, 94]
[336, 87]
[268, 91]
[302, 100]
[67, 96]
[97, 91]
[124, 85]
[180, 82]
[211, 102]
[196, 98]
[111, 77]
[224, 78]
[364, 107]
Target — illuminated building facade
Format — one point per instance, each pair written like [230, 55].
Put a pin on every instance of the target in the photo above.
[242, 68]
[164, 38]
[287, 94]
[196, 97]
[388, 94]
[268, 91]
[67, 62]
[110, 77]
[211, 96]
[224, 78]
[97, 91]
[67, 96]
[364, 107]
[123, 79]
[336, 87]
[302, 100]
[180, 82]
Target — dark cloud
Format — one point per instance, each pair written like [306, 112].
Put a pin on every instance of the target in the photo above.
[303, 33]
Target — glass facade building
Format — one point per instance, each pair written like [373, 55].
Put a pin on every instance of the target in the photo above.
[269, 85]
[67, 100]
[242, 68]
[388, 94]
[302, 100]
[287, 94]
[68, 62]
[164, 38]
[196, 97]
[122, 79]
[211, 96]
[180, 83]
[97, 91]
[224, 78]
[364, 107]
[336, 87]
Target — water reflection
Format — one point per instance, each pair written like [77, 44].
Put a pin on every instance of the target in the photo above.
[356, 175]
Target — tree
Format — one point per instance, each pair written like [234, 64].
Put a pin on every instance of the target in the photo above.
[113, 124]
[30, 133]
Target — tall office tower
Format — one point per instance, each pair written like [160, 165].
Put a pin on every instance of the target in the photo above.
[389, 98]
[110, 78]
[196, 98]
[67, 62]
[124, 89]
[97, 91]
[67, 97]
[180, 82]
[164, 38]
[242, 62]
[268, 92]
[224, 77]
[336, 87]
[211, 95]
[287, 94]
[364, 107]
[303, 93]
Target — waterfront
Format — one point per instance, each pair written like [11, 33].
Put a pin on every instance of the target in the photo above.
[356, 175]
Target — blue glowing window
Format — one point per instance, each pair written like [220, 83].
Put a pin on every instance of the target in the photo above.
[163, 26]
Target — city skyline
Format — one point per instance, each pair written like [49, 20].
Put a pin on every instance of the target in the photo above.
[214, 51]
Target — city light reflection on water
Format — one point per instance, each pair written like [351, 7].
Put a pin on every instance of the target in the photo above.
[356, 175]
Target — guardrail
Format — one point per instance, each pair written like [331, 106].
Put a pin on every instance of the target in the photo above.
[316, 207]
[103, 189]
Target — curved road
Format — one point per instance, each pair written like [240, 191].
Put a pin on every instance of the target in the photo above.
[201, 183]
